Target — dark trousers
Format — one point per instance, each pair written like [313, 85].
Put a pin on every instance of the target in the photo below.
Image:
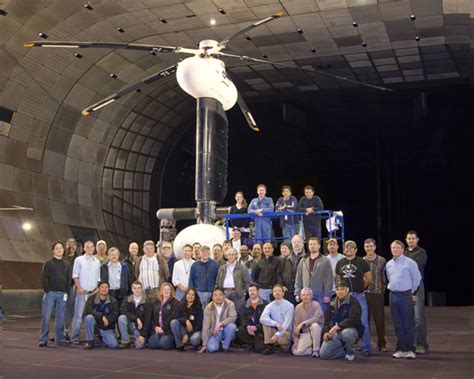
[312, 230]
[255, 342]
[375, 302]
[115, 294]
[403, 317]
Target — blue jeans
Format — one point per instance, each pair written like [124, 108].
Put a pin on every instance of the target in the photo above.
[289, 231]
[53, 300]
[108, 336]
[124, 326]
[79, 306]
[179, 331]
[338, 346]
[69, 313]
[161, 341]
[204, 297]
[319, 299]
[179, 294]
[226, 335]
[263, 229]
[403, 317]
[366, 344]
[420, 319]
[312, 230]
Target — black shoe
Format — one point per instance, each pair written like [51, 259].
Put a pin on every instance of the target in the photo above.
[367, 354]
[268, 351]
[124, 346]
[43, 344]
[250, 348]
[89, 345]
[67, 338]
[180, 349]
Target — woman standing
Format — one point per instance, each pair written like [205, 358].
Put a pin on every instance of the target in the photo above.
[240, 207]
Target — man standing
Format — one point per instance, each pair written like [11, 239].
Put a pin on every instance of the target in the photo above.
[404, 279]
[342, 325]
[298, 250]
[267, 273]
[288, 272]
[234, 279]
[357, 273]
[259, 205]
[288, 203]
[277, 319]
[307, 325]
[117, 275]
[151, 270]
[245, 257]
[251, 331]
[217, 254]
[375, 292]
[100, 314]
[315, 272]
[181, 271]
[135, 316]
[418, 254]
[70, 256]
[309, 204]
[86, 275]
[132, 258]
[101, 250]
[203, 275]
[218, 325]
[168, 255]
[56, 281]
[333, 257]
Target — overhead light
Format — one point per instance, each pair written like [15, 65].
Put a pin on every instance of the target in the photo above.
[212, 21]
[88, 6]
[355, 24]
[163, 20]
[299, 30]
[413, 17]
[313, 50]
[3, 12]
[364, 44]
[120, 30]
[77, 55]
[221, 11]
[248, 38]
[264, 55]
[113, 76]
[26, 226]
[417, 38]
[42, 35]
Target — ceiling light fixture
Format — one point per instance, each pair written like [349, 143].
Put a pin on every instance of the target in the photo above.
[299, 30]
[3, 12]
[413, 17]
[417, 38]
[212, 21]
[42, 35]
[355, 24]
[313, 50]
[77, 55]
[26, 226]
[364, 44]
[248, 38]
[88, 6]
[113, 76]
[163, 20]
[221, 11]
[120, 30]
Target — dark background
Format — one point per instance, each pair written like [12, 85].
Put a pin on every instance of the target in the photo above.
[390, 161]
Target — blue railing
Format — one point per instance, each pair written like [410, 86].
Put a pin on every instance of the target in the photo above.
[325, 215]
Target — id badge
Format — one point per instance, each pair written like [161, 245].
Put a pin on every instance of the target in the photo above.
[65, 297]
[191, 317]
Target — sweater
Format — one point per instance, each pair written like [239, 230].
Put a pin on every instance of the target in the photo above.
[56, 275]
[320, 280]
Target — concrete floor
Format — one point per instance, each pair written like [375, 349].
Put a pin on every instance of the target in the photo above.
[451, 335]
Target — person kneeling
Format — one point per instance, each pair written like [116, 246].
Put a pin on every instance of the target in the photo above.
[307, 325]
[135, 316]
[342, 326]
[187, 328]
[165, 309]
[101, 312]
[219, 323]
[276, 319]
[250, 331]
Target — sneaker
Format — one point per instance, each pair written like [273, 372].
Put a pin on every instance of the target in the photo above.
[89, 345]
[315, 354]
[410, 355]
[124, 346]
[43, 344]
[421, 350]
[349, 357]
[399, 354]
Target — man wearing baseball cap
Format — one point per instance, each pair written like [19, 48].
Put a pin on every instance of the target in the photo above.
[342, 325]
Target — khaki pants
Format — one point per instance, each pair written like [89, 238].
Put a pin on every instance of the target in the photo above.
[284, 341]
[307, 342]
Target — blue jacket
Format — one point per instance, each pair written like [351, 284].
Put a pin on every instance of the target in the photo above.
[266, 204]
[126, 278]
[291, 206]
[203, 275]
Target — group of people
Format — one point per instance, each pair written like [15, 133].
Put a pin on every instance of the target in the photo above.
[309, 204]
[306, 303]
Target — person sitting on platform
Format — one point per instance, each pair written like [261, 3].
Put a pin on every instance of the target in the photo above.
[309, 204]
[258, 206]
[164, 310]
[251, 330]
[342, 325]
[219, 323]
[288, 203]
[240, 207]
[135, 316]
[188, 327]
[277, 319]
[203, 275]
[100, 315]
[182, 270]
[267, 273]
[118, 276]
[218, 255]
[308, 323]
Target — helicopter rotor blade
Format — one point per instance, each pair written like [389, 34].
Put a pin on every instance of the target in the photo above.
[226, 40]
[111, 45]
[128, 89]
[313, 70]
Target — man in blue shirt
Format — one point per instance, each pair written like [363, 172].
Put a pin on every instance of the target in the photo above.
[259, 205]
[403, 281]
[203, 275]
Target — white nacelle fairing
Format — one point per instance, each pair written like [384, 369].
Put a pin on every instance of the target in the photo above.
[206, 77]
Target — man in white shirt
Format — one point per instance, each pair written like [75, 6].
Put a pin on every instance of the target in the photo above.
[181, 271]
[86, 275]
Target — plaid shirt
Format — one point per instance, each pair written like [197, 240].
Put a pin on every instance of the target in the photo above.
[377, 268]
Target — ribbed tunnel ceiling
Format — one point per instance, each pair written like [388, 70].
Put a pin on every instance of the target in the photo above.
[95, 172]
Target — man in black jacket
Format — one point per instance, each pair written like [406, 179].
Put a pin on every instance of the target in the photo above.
[310, 204]
[342, 325]
[135, 315]
[117, 274]
[101, 313]
[251, 331]
[56, 280]
[267, 273]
